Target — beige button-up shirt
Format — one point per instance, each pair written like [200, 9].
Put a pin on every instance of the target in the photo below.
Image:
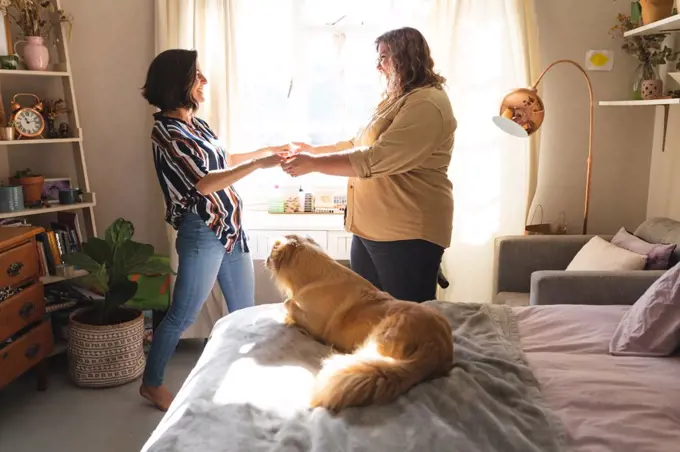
[402, 191]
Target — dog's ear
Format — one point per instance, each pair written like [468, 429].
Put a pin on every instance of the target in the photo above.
[278, 242]
[309, 239]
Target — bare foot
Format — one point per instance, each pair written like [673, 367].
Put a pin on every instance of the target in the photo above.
[159, 396]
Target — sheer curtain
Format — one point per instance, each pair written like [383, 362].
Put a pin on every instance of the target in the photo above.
[484, 48]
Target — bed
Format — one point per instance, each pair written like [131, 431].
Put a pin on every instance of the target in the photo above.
[537, 378]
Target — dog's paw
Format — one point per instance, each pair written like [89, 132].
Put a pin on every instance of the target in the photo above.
[288, 320]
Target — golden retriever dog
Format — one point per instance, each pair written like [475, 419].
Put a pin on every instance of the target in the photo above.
[386, 345]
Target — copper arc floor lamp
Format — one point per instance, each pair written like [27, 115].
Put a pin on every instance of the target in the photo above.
[522, 113]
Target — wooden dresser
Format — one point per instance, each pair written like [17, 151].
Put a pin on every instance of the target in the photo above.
[25, 335]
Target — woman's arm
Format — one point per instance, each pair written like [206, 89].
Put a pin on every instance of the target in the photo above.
[410, 140]
[322, 150]
[219, 180]
[336, 164]
[238, 158]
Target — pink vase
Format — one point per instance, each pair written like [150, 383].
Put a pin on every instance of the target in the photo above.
[35, 54]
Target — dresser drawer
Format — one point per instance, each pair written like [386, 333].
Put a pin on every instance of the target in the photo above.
[24, 353]
[19, 264]
[19, 311]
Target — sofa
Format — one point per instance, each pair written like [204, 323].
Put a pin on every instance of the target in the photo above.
[530, 270]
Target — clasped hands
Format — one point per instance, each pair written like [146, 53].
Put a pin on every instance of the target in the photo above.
[295, 160]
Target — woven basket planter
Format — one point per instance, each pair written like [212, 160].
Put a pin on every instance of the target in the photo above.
[103, 356]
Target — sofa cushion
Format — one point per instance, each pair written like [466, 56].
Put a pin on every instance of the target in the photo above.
[651, 327]
[658, 255]
[600, 255]
[661, 230]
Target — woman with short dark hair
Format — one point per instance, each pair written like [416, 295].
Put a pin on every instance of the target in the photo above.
[399, 197]
[196, 176]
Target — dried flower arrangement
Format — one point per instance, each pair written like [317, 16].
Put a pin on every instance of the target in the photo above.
[648, 49]
[34, 17]
[55, 108]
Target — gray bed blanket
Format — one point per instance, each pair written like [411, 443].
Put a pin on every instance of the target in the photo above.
[249, 390]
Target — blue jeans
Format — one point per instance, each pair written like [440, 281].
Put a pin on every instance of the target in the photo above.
[202, 260]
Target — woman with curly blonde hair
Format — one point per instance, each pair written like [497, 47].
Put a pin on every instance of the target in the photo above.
[399, 197]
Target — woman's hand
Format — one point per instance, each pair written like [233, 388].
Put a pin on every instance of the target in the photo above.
[299, 164]
[299, 146]
[269, 161]
[283, 150]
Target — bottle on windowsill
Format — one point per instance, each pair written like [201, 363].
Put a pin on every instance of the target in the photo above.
[276, 204]
[301, 197]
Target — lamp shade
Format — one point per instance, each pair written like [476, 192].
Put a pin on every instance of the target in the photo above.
[521, 113]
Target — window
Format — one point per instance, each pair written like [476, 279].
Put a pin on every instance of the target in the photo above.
[305, 70]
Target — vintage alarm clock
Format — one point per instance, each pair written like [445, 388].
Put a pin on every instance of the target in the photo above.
[28, 121]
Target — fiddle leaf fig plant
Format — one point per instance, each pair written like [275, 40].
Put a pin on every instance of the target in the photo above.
[110, 262]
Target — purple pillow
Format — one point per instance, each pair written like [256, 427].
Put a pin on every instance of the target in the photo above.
[651, 327]
[658, 255]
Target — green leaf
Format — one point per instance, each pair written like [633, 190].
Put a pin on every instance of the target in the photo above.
[119, 232]
[99, 250]
[120, 293]
[156, 303]
[129, 256]
[155, 265]
[97, 280]
[82, 260]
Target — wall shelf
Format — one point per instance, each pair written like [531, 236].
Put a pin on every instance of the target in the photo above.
[638, 103]
[52, 209]
[22, 72]
[667, 25]
[665, 103]
[40, 141]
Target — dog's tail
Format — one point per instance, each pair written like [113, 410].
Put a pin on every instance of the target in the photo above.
[369, 377]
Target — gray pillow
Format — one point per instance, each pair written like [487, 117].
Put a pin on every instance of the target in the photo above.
[658, 255]
[651, 327]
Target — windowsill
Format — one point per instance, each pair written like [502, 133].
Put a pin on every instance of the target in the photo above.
[263, 221]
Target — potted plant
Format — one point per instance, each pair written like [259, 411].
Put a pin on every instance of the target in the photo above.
[653, 10]
[31, 184]
[650, 52]
[106, 340]
[8, 131]
[34, 18]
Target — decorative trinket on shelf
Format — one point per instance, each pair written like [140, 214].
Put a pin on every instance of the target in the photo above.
[64, 130]
[28, 121]
[51, 111]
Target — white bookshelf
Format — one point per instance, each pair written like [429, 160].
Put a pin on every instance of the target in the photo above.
[50, 279]
[51, 157]
[667, 25]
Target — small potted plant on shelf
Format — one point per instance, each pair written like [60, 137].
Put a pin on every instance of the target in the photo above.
[650, 52]
[31, 185]
[106, 340]
[35, 19]
[654, 10]
[8, 131]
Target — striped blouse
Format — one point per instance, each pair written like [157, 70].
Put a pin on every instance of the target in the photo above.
[183, 153]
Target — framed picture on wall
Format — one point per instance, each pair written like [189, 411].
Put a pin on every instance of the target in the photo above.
[6, 44]
[51, 187]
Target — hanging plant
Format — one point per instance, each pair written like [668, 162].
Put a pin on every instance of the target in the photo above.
[648, 49]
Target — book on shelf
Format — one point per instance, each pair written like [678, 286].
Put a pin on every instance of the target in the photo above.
[60, 238]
